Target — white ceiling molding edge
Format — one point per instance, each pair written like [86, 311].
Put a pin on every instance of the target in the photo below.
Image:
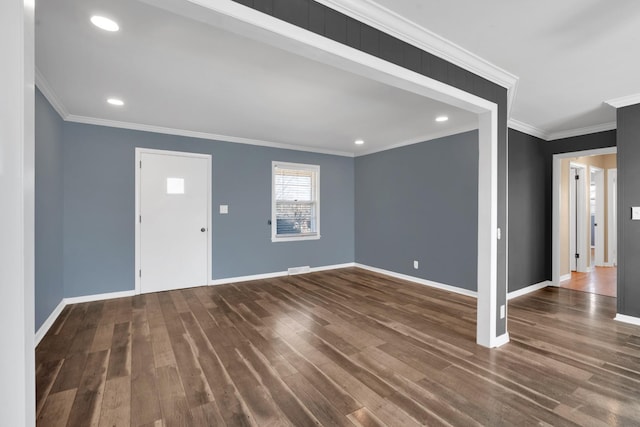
[201, 135]
[528, 129]
[581, 131]
[51, 96]
[624, 101]
[424, 138]
[54, 100]
[385, 20]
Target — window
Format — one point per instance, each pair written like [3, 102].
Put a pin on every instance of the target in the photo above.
[295, 202]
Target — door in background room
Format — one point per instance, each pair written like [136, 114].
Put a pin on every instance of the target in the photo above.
[174, 194]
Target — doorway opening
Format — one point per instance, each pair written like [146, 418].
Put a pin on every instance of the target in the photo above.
[584, 221]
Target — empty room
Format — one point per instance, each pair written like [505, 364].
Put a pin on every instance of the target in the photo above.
[297, 212]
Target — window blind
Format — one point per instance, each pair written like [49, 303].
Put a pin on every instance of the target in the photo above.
[295, 201]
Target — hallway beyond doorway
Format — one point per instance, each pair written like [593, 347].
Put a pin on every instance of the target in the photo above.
[600, 280]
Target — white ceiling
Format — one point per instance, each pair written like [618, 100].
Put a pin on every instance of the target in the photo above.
[181, 75]
[570, 55]
[177, 73]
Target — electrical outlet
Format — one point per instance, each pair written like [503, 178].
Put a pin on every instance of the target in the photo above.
[415, 264]
[502, 311]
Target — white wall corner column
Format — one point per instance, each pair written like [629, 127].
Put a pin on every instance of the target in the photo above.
[17, 364]
[488, 231]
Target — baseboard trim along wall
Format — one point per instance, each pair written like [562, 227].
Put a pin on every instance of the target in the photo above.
[627, 319]
[42, 330]
[565, 277]
[501, 340]
[238, 279]
[528, 289]
[420, 281]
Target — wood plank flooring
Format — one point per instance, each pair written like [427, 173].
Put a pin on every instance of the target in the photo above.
[600, 280]
[339, 348]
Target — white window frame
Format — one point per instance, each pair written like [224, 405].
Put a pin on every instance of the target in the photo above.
[316, 192]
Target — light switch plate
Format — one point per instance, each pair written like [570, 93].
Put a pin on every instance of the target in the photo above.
[635, 213]
[224, 209]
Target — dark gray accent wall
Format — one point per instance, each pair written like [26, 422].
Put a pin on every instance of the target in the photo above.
[568, 145]
[628, 136]
[420, 202]
[100, 207]
[528, 206]
[336, 26]
[49, 285]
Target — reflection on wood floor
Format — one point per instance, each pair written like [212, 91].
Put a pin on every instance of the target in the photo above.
[601, 281]
[338, 348]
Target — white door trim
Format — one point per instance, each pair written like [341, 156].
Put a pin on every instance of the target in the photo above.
[612, 212]
[139, 152]
[556, 200]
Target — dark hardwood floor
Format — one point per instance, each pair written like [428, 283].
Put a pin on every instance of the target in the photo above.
[338, 348]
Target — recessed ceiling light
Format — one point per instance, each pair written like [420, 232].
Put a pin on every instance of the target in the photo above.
[359, 142]
[442, 118]
[115, 101]
[104, 23]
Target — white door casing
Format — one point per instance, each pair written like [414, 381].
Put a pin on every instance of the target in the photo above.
[612, 184]
[173, 205]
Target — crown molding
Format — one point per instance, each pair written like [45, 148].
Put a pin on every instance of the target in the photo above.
[624, 101]
[201, 135]
[528, 129]
[389, 22]
[419, 139]
[581, 131]
[49, 93]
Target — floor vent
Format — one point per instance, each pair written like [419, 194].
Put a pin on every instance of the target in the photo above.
[299, 270]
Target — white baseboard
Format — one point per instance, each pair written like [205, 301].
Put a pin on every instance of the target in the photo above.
[333, 267]
[565, 277]
[44, 328]
[500, 341]
[528, 290]
[437, 285]
[238, 279]
[627, 319]
[99, 297]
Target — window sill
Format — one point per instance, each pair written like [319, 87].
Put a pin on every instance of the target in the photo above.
[295, 238]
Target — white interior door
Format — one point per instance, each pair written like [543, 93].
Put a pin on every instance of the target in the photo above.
[578, 209]
[174, 205]
[573, 172]
[599, 225]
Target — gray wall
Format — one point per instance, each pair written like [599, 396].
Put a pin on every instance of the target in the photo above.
[49, 286]
[420, 202]
[99, 208]
[528, 260]
[628, 195]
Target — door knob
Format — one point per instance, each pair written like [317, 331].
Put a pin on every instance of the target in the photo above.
[203, 229]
